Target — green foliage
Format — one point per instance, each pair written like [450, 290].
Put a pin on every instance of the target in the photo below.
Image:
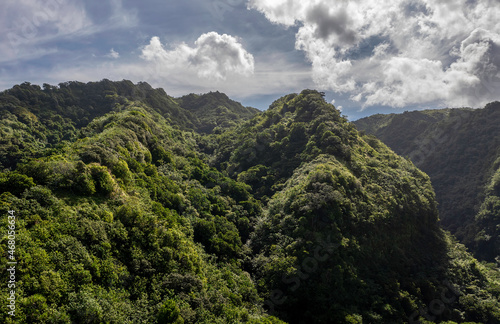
[169, 313]
[279, 140]
[160, 155]
[215, 111]
[121, 171]
[134, 207]
[84, 182]
[328, 211]
[103, 181]
[487, 239]
[457, 148]
[15, 183]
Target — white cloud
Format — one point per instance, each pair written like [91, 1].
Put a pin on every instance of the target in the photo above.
[113, 54]
[213, 56]
[30, 26]
[285, 12]
[399, 52]
[30, 21]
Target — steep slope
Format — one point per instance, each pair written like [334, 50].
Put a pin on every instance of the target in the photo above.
[350, 230]
[265, 151]
[457, 148]
[486, 242]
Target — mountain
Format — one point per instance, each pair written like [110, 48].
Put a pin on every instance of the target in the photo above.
[129, 207]
[35, 119]
[460, 150]
[215, 110]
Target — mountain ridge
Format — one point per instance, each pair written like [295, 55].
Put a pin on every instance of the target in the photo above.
[458, 150]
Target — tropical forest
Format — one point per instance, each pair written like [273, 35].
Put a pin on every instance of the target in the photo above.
[123, 204]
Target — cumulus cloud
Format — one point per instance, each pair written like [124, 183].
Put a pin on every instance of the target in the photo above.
[213, 56]
[399, 52]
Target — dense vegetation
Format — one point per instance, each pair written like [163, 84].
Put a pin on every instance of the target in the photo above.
[215, 111]
[136, 207]
[460, 150]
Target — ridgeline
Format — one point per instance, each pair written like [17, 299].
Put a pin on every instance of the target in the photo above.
[460, 150]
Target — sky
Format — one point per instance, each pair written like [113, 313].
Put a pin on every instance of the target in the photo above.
[367, 56]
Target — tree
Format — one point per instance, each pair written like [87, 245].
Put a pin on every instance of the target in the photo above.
[170, 313]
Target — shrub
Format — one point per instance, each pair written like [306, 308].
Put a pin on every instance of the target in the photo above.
[15, 183]
[102, 179]
[170, 313]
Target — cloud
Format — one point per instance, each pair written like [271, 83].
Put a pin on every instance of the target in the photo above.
[327, 24]
[285, 12]
[30, 21]
[249, 67]
[399, 52]
[30, 26]
[213, 56]
[113, 54]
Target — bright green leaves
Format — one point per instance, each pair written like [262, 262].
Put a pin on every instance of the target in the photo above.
[79, 178]
[104, 183]
[169, 313]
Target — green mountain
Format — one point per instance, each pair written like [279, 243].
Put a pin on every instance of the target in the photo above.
[460, 150]
[135, 207]
[216, 111]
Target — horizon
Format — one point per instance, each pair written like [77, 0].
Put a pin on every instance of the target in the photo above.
[367, 58]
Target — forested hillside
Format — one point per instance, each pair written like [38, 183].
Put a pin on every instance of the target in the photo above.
[136, 207]
[215, 111]
[460, 150]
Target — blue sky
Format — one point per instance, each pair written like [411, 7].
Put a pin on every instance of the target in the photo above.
[367, 57]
